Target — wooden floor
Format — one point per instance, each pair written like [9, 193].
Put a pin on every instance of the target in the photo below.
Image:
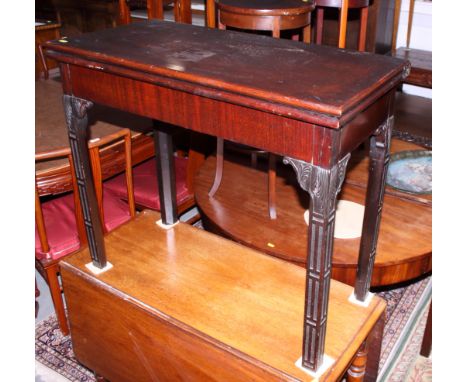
[239, 211]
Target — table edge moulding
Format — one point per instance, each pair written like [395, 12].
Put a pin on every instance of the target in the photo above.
[328, 102]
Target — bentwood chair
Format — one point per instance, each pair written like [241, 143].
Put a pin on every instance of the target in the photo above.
[60, 228]
[274, 17]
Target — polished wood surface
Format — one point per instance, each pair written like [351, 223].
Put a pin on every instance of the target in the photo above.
[228, 65]
[215, 310]
[240, 211]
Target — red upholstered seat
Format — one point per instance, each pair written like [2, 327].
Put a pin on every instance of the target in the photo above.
[145, 183]
[60, 223]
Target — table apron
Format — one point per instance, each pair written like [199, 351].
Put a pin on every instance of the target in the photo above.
[275, 133]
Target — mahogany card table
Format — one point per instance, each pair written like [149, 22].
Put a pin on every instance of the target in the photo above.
[313, 105]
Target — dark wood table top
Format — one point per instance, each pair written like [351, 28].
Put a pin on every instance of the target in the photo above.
[304, 79]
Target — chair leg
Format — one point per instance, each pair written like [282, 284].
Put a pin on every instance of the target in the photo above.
[43, 61]
[363, 29]
[56, 293]
[319, 26]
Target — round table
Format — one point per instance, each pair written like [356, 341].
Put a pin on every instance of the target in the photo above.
[239, 211]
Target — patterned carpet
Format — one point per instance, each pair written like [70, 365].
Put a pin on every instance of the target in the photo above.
[405, 322]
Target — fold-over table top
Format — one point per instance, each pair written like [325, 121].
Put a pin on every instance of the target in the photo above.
[314, 78]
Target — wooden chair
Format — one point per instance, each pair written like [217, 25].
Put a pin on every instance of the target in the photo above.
[155, 10]
[60, 229]
[59, 232]
[343, 6]
[145, 180]
[268, 16]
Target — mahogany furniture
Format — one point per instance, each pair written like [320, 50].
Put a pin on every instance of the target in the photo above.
[272, 16]
[289, 98]
[239, 212]
[343, 6]
[214, 311]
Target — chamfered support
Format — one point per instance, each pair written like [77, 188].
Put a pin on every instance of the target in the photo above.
[76, 115]
[323, 186]
[379, 156]
[165, 172]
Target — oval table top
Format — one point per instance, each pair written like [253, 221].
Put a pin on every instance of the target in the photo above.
[239, 211]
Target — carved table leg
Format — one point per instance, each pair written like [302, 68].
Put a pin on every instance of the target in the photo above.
[323, 186]
[357, 369]
[166, 175]
[77, 123]
[379, 157]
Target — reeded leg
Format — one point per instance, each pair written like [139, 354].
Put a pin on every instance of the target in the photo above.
[379, 156]
[323, 186]
[166, 174]
[77, 122]
[357, 369]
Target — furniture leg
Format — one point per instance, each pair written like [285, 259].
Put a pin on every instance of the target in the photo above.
[319, 26]
[219, 167]
[343, 24]
[379, 156]
[56, 294]
[43, 61]
[410, 23]
[272, 185]
[166, 174]
[396, 21]
[77, 123]
[155, 9]
[357, 369]
[323, 186]
[363, 29]
[210, 13]
[374, 346]
[427, 338]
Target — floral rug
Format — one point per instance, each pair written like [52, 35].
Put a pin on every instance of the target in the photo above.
[404, 327]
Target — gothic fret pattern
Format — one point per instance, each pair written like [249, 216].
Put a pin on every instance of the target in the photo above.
[77, 123]
[379, 157]
[323, 186]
